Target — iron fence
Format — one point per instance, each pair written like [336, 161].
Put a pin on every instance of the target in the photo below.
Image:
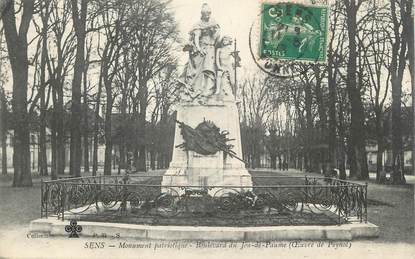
[142, 199]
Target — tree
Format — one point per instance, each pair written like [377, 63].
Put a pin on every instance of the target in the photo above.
[376, 61]
[4, 111]
[163, 94]
[16, 39]
[335, 58]
[59, 61]
[314, 146]
[79, 24]
[112, 17]
[45, 11]
[124, 76]
[273, 142]
[154, 39]
[397, 67]
[258, 99]
[85, 110]
[320, 94]
[97, 125]
[409, 29]
[3, 130]
[356, 143]
[342, 128]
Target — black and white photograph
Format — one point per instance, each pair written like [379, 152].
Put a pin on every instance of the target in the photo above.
[207, 129]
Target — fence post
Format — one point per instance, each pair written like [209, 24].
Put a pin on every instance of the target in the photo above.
[338, 202]
[41, 198]
[349, 190]
[47, 198]
[63, 197]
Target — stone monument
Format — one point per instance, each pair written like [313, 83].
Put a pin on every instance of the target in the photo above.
[207, 142]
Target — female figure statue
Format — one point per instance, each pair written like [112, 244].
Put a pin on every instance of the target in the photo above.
[199, 75]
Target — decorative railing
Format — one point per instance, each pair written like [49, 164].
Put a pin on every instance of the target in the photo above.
[141, 199]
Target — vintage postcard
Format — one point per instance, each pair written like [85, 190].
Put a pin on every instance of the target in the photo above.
[207, 129]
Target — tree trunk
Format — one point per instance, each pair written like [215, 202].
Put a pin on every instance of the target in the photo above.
[310, 166]
[86, 123]
[160, 160]
[142, 122]
[321, 108]
[122, 156]
[273, 158]
[379, 161]
[17, 50]
[53, 140]
[379, 140]
[79, 23]
[412, 68]
[108, 137]
[43, 165]
[410, 43]
[356, 145]
[152, 160]
[332, 119]
[342, 161]
[3, 131]
[136, 158]
[341, 144]
[4, 153]
[59, 114]
[142, 158]
[22, 170]
[96, 127]
[397, 144]
[53, 134]
[85, 151]
[397, 67]
[123, 109]
[396, 134]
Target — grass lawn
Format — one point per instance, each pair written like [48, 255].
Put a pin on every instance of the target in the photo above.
[18, 205]
[392, 211]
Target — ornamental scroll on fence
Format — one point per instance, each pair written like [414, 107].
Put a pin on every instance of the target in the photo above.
[136, 199]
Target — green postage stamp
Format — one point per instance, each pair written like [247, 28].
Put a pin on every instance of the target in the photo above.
[294, 32]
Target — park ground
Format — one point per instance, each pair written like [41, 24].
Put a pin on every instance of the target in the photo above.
[390, 207]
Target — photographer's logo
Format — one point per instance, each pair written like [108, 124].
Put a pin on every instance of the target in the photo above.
[73, 228]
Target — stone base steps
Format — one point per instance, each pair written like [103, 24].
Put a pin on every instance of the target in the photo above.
[56, 227]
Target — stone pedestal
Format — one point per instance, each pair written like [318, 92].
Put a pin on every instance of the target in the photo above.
[189, 168]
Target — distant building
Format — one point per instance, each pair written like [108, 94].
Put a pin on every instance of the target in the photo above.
[407, 141]
[34, 150]
[372, 152]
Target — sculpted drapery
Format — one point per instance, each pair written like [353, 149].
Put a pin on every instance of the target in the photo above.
[202, 76]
